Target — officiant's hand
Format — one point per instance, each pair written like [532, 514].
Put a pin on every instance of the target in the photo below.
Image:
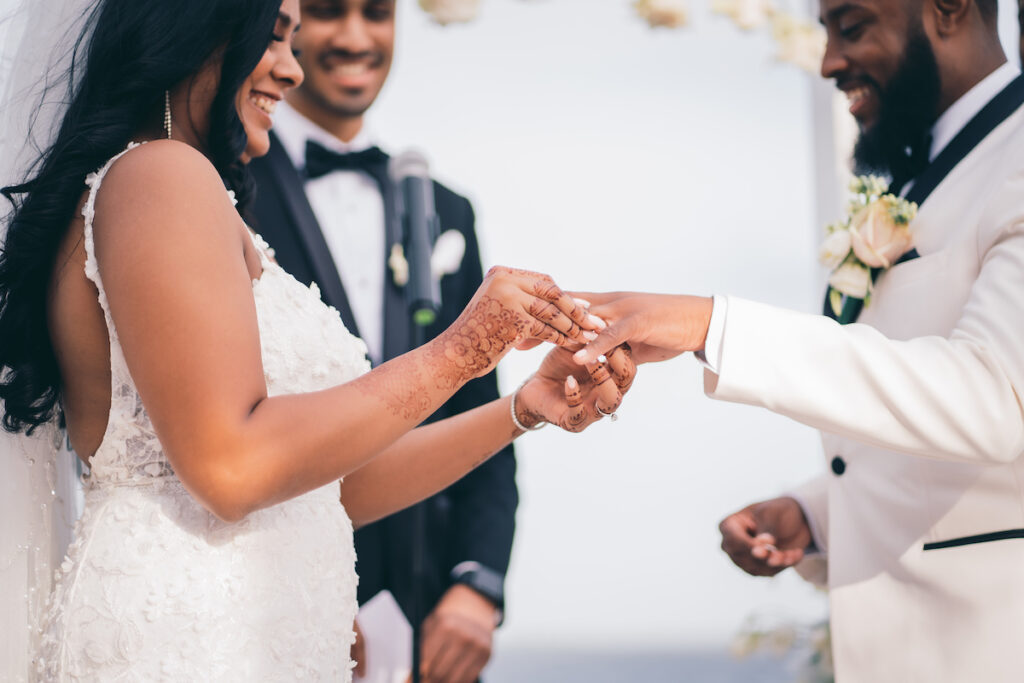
[573, 397]
[657, 326]
[457, 637]
[764, 538]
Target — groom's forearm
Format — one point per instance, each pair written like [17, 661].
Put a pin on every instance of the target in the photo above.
[943, 398]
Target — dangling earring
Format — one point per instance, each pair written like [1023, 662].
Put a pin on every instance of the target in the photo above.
[167, 113]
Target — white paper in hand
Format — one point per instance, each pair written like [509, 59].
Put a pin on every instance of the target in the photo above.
[387, 640]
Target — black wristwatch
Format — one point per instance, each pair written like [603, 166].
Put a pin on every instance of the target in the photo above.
[484, 581]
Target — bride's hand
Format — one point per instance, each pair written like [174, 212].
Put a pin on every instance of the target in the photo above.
[573, 397]
[513, 309]
[656, 326]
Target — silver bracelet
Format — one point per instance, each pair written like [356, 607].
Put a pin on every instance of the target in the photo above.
[512, 411]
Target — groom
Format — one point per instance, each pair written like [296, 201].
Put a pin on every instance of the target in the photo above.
[917, 526]
[325, 204]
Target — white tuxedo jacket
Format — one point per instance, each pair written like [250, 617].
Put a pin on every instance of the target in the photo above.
[921, 511]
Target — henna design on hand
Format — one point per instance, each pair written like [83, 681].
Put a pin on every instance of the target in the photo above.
[539, 330]
[576, 419]
[546, 289]
[620, 360]
[527, 417]
[543, 310]
[400, 387]
[550, 314]
[481, 335]
[599, 375]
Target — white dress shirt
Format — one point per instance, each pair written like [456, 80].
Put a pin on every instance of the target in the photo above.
[945, 129]
[349, 207]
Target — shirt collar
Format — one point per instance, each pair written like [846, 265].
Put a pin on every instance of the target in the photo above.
[969, 104]
[293, 130]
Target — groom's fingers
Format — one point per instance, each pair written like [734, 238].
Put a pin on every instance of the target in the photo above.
[740, 540]
[784, 558]
[607, 339]
[601, 298]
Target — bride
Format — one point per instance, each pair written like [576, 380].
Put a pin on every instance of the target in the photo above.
[216, 400]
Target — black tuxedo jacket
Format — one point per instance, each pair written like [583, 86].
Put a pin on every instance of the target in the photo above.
[474, 519]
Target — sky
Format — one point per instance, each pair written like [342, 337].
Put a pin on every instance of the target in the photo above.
[614, 156]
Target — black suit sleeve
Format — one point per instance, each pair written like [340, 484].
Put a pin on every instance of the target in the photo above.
[483, 503]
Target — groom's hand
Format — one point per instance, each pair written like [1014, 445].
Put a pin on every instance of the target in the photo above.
[656, 326]
[764, 538]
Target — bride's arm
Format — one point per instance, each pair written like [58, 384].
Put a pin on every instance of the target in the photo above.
[170, 250]
[426, 460]
[430, 458]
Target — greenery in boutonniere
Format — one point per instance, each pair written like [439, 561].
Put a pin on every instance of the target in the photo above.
[875, 234]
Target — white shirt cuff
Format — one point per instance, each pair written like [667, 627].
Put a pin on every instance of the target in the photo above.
[819, 547]
[711, 356]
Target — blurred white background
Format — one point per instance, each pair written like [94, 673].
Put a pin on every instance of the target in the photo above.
[614, 156]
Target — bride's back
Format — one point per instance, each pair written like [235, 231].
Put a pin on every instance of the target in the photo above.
[79, 336]
[78, 329]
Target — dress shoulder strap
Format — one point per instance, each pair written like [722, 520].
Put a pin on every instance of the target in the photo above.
[92, 270]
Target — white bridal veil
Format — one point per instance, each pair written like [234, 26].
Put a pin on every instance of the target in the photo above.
[38, 483]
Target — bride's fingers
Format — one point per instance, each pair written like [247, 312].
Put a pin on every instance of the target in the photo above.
[544, 332]
[576, 416]
[549, 313]
[544, 287]
[620, 361]
[608, 397]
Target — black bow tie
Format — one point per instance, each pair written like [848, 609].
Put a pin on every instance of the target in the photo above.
[320, 161]
[908, 165]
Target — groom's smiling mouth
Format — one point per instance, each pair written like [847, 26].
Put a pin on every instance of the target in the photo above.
[863, 99]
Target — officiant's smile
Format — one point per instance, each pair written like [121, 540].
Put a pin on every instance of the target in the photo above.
[350, 44]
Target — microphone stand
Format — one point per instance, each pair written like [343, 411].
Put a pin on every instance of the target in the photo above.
[419, 532]
[419, 225]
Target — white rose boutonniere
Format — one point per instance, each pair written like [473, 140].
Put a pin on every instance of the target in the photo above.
[836, 247]
[851, 279]
[449, 249]
[872, 238]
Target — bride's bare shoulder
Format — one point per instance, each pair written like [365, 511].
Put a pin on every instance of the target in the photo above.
[162, 185]
[161, 169]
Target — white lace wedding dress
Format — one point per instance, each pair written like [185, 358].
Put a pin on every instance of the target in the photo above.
[155, 587]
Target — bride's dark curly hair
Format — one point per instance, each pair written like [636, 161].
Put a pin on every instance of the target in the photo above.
[137, 50]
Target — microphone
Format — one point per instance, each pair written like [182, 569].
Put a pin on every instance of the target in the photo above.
[420, 228]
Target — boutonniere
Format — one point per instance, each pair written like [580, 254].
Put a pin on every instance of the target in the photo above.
[875, 234]
[445, 259]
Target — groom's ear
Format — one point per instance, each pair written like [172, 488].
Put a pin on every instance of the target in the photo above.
[950, 17]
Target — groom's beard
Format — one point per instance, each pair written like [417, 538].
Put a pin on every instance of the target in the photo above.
[909, 105]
